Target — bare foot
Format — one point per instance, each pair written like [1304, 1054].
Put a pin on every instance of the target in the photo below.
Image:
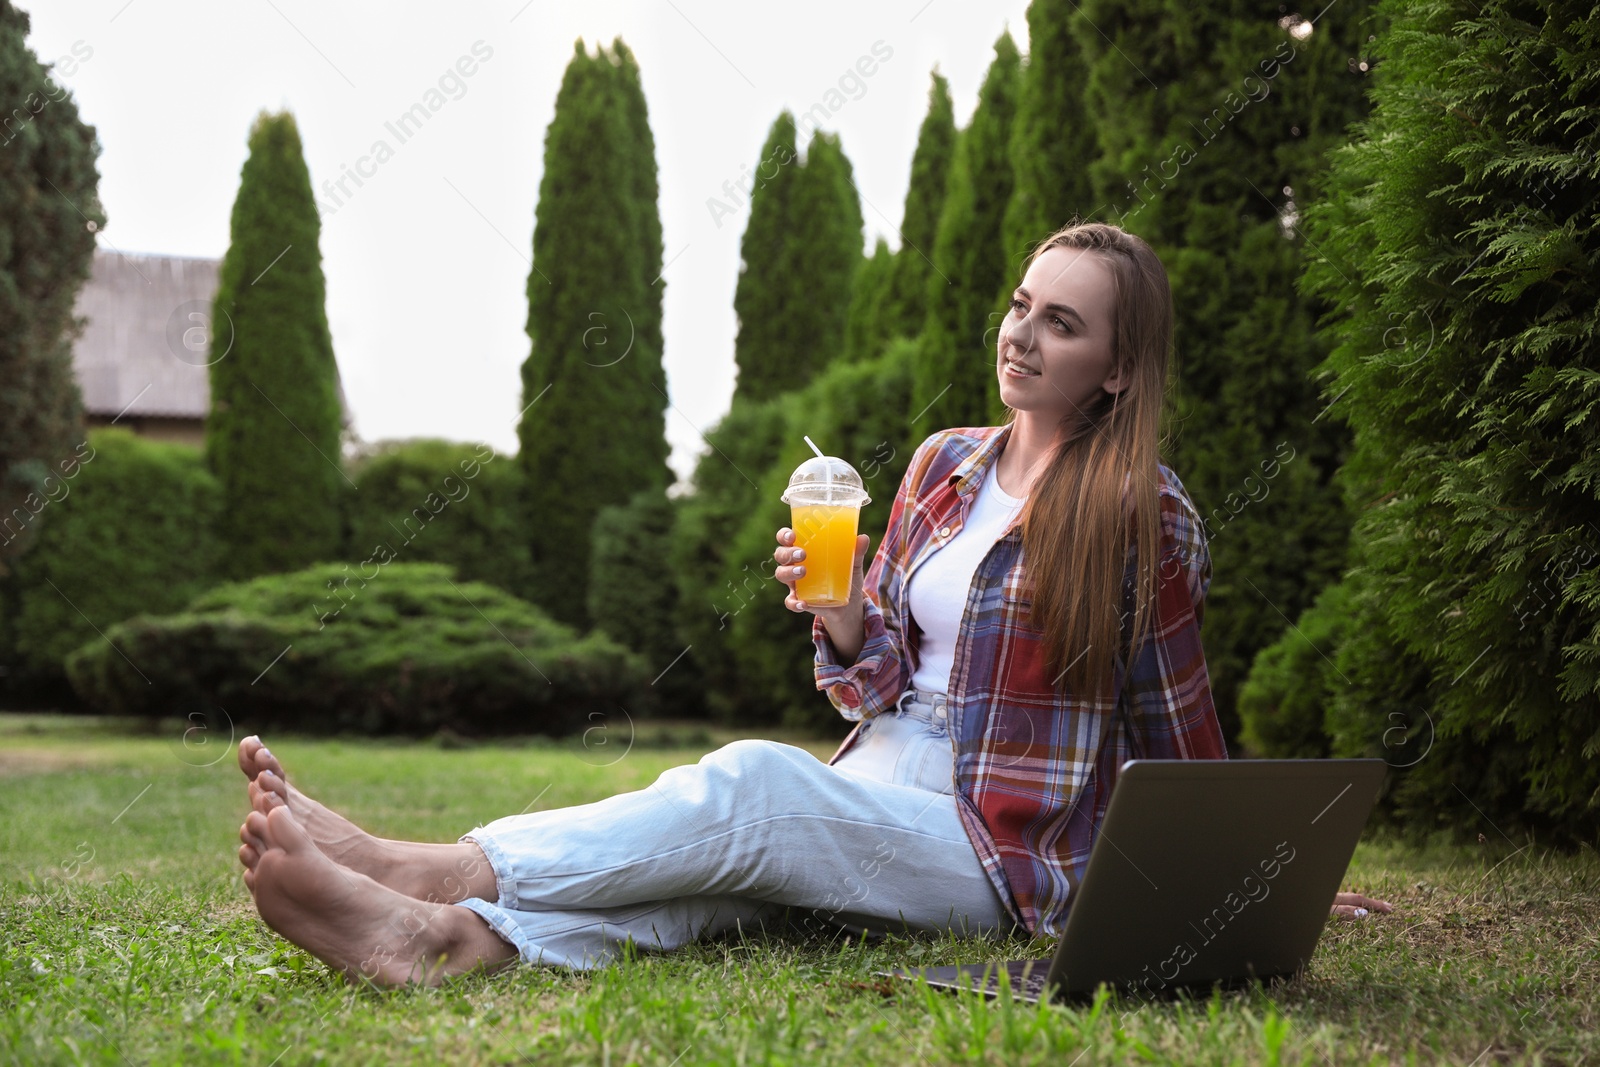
[340, 838]
[352, 923]
[425, 870]
[251, 846]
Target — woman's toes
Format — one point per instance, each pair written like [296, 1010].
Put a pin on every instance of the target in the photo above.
[247, 756]
[254, 831]
[266, 761]
[274, 785]
[255, 757]
[263, 799]
[282, 830]
[249, 856]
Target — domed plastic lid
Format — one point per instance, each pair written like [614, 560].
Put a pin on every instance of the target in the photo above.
[826, 480]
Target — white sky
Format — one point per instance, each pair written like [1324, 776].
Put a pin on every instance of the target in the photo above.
[428, 261]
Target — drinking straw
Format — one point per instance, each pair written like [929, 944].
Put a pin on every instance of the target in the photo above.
[818, 451]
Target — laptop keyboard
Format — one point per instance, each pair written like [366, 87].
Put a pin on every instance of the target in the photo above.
[1032, 984]
[974, 978]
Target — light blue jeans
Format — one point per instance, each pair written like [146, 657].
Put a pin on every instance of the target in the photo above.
[754, 833]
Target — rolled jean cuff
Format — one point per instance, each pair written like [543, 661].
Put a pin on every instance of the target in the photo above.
[505, 926]
[499, 863]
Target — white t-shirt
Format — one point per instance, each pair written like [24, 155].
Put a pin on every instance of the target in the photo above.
[939, 586]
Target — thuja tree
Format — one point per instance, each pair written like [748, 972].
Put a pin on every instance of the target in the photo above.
[769, 348]
[593, 432]
[800, 253]
[827, 243]
[890, 296]
[907, 304]
[1213, 123]
[955, 371]
[273, 435]
[1052, 137]
[1466, 366]
[49, 212]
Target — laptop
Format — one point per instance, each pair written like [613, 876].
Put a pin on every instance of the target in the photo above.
[1203, 871]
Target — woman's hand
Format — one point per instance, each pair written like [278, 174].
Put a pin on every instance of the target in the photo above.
[847, 626]
[1356, 906]
[791, 567]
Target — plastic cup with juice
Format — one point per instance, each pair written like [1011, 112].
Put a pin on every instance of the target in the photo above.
[825, 497]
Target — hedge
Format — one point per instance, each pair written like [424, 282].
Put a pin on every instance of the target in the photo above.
[131, 531]
[390, 647]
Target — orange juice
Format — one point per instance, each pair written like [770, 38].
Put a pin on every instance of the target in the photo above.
[827, 532]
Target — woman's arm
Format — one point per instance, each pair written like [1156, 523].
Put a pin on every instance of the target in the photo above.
[865, 679]
[847, 632]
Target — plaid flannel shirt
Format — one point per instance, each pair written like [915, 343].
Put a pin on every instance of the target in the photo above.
[1033, 771]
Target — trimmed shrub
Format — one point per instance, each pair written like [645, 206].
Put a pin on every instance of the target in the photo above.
[1385, 707]
[1357, 691]
[132, 532]
[432, 501]
[407, 650]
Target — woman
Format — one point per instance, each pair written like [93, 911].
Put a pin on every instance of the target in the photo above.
[993, 700]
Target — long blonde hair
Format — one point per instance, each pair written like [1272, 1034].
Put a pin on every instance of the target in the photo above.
[1075, 532]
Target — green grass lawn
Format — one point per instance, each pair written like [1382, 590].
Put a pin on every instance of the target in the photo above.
[128, 938]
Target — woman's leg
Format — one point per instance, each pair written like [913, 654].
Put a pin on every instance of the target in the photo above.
[582, 938]
[728, 841]
[362, 928]
[708, 844]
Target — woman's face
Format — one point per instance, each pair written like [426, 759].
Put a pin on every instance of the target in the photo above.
[1059, 328]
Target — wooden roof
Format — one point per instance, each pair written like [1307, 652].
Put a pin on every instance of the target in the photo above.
[146, 346]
